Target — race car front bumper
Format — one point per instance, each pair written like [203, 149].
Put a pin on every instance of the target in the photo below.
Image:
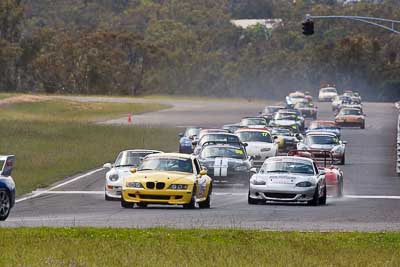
[113, 191]
[274, 194]
[170, 197]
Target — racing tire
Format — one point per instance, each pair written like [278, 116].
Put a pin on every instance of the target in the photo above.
[142, 205]
[343, 160]
[340, 189]
[252, 201]
[315, 200]
[192, 203]
[107, 198]
[5, 205]
[126, 205]
[322, 200]
[207, 203]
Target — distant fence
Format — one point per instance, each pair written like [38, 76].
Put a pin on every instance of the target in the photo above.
[398, 140]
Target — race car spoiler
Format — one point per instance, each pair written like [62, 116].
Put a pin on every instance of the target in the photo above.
[7, 164]
[319, 156]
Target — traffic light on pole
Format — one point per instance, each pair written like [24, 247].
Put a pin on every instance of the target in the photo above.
[308, 27]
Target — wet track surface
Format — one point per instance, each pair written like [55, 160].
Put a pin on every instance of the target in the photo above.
[371, 202]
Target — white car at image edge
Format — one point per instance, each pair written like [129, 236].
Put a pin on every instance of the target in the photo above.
[121, 169]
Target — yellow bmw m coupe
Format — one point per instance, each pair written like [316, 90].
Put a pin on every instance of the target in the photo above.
[168, 178]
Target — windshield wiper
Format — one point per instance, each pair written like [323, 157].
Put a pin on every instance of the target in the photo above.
[126, 165]
[146, 169]
[278, 171]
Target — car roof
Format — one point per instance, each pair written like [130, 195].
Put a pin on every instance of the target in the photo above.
[252, 130]
[141, 150]
[290, 158]
[320, 133]
[323, 122]
[171, 155]
[222, 145]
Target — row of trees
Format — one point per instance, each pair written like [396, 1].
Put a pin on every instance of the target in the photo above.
[190, 47]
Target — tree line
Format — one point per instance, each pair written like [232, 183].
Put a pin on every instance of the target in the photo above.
[189, 47]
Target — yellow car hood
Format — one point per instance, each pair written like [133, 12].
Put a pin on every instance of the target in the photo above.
[160, 176]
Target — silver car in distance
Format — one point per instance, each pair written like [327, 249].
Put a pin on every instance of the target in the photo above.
[288, 179]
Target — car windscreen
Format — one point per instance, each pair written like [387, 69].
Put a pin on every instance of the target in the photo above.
[316, 126]
[221, 138]
[130, 159]
[322, 140]
[222, 152]
[287, 167]
[255, 136]
[329, 90]
[192, 132]
[283, 132]
[270, 110]
[167, 164]
[254, 121]
[350, 112]
[285, 116]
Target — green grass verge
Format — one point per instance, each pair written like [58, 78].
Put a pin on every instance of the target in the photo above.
[54, 139]
[62, 110]
[199, 247]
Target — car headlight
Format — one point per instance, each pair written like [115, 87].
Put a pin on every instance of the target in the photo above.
[134, 185]
[113, 177]
[337, 150]
[257, 182]
[178, 186]
[241, 168]
[265, 149]
[304, 184]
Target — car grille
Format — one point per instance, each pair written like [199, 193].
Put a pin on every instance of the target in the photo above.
[160, 186]
[152, 185]
[280, 195]
[154, 197]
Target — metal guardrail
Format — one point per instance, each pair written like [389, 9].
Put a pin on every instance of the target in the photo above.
[398, 140]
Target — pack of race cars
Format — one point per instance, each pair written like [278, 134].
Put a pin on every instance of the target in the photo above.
[283, 154]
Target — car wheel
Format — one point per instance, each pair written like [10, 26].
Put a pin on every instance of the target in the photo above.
[322, 200]
[207, 203]
[142, 205]
[252, 201]
[5, 205]
[315, 200]
[192, 203]
[343, 160]
[126, 205]
[107, 198]
[340, 189]
[362, 126]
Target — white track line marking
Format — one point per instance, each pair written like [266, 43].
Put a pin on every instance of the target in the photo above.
[72, 192]
[346, 196]
[39, 193]
[372, 197]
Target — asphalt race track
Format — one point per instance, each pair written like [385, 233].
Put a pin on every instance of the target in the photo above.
[371, 202]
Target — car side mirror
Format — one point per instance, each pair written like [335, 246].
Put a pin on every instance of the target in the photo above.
[321, 171]
[107, 166]
[344, 142]
[180, 135]
[194, 143]
[299, 137]
[203, 172]
[133, 170]
[253, 170]
[250, 158]
[245, 144]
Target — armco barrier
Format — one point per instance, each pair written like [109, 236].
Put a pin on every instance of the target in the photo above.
[398, 140]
